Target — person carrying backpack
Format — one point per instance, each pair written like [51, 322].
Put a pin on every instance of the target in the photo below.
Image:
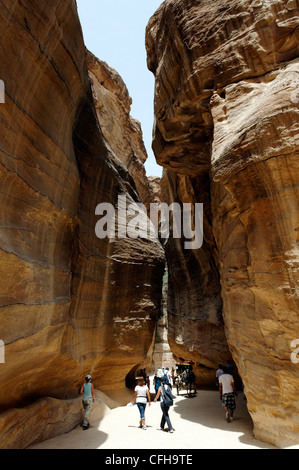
[166, 402]
[165, 377]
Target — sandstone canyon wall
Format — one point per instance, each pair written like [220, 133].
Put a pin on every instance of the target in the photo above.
[226, 132]
[71, 303]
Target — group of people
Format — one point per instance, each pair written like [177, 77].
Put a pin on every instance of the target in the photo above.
[227, 389]
[141, 397]
[162, 393]
[162, 374]
[163, 387]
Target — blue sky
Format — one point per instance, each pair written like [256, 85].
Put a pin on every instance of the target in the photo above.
[114, 30]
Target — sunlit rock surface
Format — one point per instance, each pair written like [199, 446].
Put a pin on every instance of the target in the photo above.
[226, 130]
[71, 303]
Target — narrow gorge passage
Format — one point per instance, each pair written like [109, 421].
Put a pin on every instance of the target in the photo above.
[93, 281]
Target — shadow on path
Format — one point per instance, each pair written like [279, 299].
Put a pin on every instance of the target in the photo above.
[205, 408]
[199, 423]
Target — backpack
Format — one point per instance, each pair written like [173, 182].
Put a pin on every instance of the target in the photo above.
[167, 396]
[166, 379]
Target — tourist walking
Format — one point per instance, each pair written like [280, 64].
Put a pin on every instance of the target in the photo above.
[141, 396]
[167, 376]
[167, 400]
[219, 372]
[157, 380]
[148, 383]
[87, 390]
[229, 368]
[227, 391]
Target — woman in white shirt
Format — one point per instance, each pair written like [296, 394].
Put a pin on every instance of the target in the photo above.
[141, 395]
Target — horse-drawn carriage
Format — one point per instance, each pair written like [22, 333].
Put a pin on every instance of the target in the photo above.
[185, 378]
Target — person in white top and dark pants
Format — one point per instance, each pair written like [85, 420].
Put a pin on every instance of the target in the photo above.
[164, 406]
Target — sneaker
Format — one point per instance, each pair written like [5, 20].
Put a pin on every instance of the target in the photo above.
[227, 417]
[171, 431]
[144, 427]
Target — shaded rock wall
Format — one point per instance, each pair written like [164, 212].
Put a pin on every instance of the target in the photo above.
[71, 303]
[226, 127]
[196, 328]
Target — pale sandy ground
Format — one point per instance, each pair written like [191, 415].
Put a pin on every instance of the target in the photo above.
[199, 423]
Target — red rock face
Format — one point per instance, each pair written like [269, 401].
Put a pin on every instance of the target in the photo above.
[227, 132]
[71, 303]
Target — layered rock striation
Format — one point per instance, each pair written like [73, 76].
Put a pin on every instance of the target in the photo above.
[226, 132]
[121, 131]
[71, 303]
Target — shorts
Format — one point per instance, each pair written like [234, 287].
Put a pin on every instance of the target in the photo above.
[228, 400]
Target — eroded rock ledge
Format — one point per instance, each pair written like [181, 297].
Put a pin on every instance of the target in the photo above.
[227, 135]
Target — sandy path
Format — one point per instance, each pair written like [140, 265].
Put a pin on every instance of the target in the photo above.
[199, 423]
